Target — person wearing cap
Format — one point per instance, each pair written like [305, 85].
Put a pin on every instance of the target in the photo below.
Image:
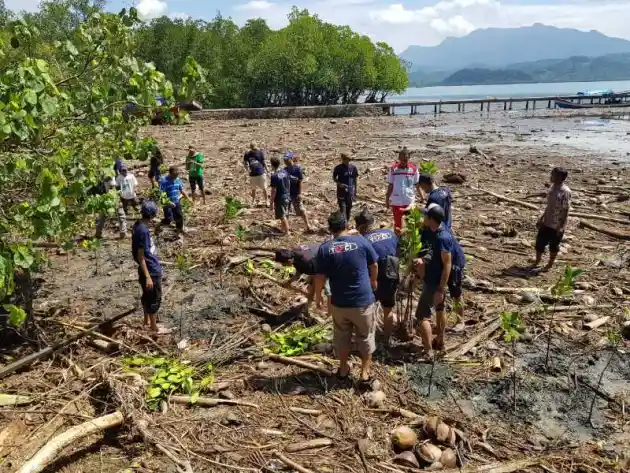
[351, 266]
[254, 163]
[402, 179]
[173, 187]
[194, 164]
[346, 175]
[553, 222]
[385, 243]
[126, 183]
[302, 258]
[437, 195]
[149, 268]
[280, 194]
[296, 176]
[443, 268]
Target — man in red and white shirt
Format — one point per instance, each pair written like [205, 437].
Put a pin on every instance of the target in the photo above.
[403, 178]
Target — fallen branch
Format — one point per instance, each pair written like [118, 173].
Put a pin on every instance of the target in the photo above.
[308, 445]
[507, 467]
[308, 412]
[475, 339]
[14, 400]
[47, 454]
[290, 463]
[508, 199]
[182, 466]
[566, 308]
[600, 217]
[279, 283]
[48, 351]
[302, 364]
[209, 402]
[597, 323]
[605, 231]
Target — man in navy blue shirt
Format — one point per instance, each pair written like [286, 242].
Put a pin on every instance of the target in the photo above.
[254, 162]
[351, 266]
[280, 197]
[437, 195]
[296, 177]
[385, 243]
[345, 175]
[149, 268]
[444, 267]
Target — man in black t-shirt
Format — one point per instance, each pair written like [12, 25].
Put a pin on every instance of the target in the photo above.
[302, 258]
[345, 175]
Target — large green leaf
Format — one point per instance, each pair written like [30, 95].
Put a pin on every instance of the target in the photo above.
[17, 316]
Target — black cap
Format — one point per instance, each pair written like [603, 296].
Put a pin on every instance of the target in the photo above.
[435, 212]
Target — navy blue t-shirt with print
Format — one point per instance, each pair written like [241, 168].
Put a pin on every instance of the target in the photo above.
[281, 183]
[141, 238]
[295, 175]
[384, 241]
[346, 175]
[255, 154]
[442, 196]
[255, 168]
[443, 241]
[345, 261]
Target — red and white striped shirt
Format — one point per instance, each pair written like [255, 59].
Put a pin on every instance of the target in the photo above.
[404, 182]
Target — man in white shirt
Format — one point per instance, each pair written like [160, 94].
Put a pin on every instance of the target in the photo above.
[403, 178]
[126, 183]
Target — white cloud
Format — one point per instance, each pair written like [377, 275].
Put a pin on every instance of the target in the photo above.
[255, 5]
[149, 9]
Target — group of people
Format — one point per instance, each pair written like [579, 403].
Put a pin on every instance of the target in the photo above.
[355, 269]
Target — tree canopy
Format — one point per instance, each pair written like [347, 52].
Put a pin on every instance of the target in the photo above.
[308, 62]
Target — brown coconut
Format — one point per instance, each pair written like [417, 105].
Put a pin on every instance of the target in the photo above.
[403, 438]
[430, 453]
[442, 433]
[430, 428]
[407, 459]
[449, 458]
[452, 437]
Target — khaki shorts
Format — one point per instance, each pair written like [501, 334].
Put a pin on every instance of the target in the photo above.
[361, 321]
[298, 206]
[258, 182]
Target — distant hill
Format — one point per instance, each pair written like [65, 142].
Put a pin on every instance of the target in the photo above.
[495, 48]
[573, 69]
[487, 76]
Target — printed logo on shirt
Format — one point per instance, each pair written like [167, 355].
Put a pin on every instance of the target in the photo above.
[343, 247]
[374, 237]
[152, 249]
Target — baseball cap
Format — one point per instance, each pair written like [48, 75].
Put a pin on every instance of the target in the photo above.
[288, 156]
[435, 212]
[149, 209]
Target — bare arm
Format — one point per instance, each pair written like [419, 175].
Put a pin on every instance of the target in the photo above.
[273, 196]
[446, 269]
[143, 267]
[374, 275]
[318, 285]
[390, 189]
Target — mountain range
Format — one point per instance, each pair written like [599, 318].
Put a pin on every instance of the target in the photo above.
[535, 53]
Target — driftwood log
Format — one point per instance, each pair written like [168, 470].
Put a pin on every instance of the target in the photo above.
[605, 231]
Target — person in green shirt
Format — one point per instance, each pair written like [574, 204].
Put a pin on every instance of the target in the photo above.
[194, 164]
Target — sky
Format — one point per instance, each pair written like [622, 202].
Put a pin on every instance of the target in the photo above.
[398, 22]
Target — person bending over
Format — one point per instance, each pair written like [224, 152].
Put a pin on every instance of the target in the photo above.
[280, 199]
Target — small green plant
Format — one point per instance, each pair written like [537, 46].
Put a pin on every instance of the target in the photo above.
[562, 287]
[159, 197]
[512, 326]
[249, 267]
[297, 340]
[241, 233]
[94, 245]
[268, 266]
[429, 167]
[17, 315]
[186, 206]
[232, 207]
[410, 247]
[170, 376]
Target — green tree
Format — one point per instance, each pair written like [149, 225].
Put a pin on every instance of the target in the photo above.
[61, 127]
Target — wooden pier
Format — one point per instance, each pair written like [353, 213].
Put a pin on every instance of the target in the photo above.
[506, 104]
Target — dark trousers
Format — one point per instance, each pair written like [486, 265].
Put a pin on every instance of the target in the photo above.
[345, 205]
[174, 214]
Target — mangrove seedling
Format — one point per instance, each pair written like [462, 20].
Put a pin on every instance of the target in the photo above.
[429, 167]
[410, 247]
[232, 207]
[241, 233]
[512, 326]
[563, 287]
[297, 340]
[93, 245]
